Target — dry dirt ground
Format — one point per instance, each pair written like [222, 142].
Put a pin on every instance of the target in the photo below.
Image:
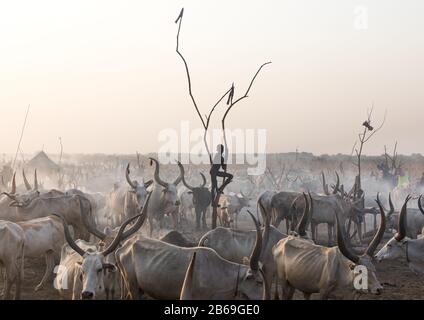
[398, 280]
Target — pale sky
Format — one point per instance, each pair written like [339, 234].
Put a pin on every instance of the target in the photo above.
[104, 75]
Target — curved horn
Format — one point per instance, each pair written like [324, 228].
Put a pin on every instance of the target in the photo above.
[127, 176]
[148, 183]
[336, 188]
[11, 196]
[13, 191]
[68, 236]
[301, 228]
[183, 175]
[204, 180]
[254, 258]
[180, 177]
[324, 185]
[2, 181]
[341, 244]
[35, 180]
[419, 204]
[392, 207]
[27, 185]
[402, 221]
[186, 291]
[118, 237]
[87, 223]
[156, 175]
[267, 223]
[380, 233]
[139, 223]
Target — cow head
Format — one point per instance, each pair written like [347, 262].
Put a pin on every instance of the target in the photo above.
[139, 191]
[396, 246]
[23, 199]
[366, 259]
[169, 193]
[244, 199]
[201, 194]
[94, 263]
[253, 285]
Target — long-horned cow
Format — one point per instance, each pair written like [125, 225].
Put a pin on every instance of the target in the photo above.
[401, 246]
[12, 240]
[201, 198]
[125, 202]
[43, 236]
[164, 199]
[82, 269]
[234, 245]
[158, 269]
[75, 209]
[312, 268]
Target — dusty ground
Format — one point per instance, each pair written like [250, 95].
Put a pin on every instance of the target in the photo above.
[398, 281]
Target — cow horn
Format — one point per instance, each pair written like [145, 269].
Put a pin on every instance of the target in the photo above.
[254, 258]
[127, 176]
[139, 223]
[27, 185]
[266, 289]
[186, 291]
[204, 180]
[392, 208]
[114, 244]
[419, 204]
[324, 185]
[148, 183]
[267, 222]
[301, 228]
[380, 233]
[402, 221]
[68, 236]
[180, 177]
[88, 224]
[11, 196]
[336, 188]
[156, 175]
[183, 175]
[342, 245]
[13, 191]
[35, 180]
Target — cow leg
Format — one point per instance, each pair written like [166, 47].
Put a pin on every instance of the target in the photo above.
[330, 233]
[49, 270]
[7, 284]
[287, 226]
[365, 225]
[276, 293]
[107, 293]
[314, 231]
[204, 224]
[307, 296]
[198, 217]
[151, 226]
[288, 291]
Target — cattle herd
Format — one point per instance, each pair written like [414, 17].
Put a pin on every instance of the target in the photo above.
[149, 235]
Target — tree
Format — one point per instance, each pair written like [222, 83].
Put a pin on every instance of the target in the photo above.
[205, 120]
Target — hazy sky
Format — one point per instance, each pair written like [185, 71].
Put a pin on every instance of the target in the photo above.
[104, 75]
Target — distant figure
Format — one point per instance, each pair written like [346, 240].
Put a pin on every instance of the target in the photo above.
[219, 162]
